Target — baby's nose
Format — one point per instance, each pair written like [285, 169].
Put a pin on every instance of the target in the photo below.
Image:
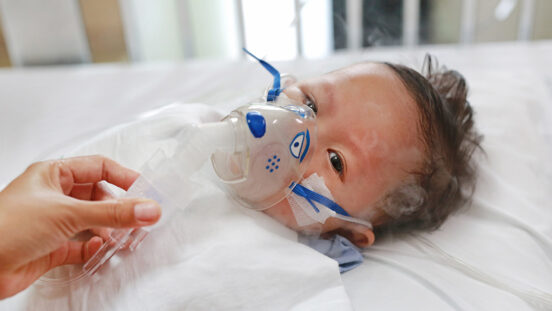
[316, 164]
[293, 92]
[287, 80]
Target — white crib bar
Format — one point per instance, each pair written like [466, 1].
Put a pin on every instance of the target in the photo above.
[410, 22]
[128, 19]
[241, 27]
[468, 18]
[185, 23]
[354, 24]
[298, 28]
[44, 32]
[526, 21]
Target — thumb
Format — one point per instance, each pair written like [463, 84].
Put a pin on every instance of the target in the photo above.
[118, 213]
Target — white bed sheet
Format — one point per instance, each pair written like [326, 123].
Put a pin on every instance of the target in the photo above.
[506, 233]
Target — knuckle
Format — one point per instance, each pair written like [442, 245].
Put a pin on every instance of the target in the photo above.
[71, 222]
[115, 211]
[39, 166]
[34, 166]
[55, 165]
[98, 157]
[44, 166]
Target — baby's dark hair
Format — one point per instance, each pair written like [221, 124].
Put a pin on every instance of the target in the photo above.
[446, 180]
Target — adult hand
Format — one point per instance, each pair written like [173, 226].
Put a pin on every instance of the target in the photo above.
[51, 202]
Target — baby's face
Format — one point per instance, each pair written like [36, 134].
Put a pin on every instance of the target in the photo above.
[368, 142]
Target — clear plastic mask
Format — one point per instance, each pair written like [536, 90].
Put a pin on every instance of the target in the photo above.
[273, 151]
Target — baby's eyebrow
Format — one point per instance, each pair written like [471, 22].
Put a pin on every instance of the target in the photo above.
[355, 146]
[324, 92]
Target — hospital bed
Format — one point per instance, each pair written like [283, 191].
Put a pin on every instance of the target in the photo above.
[494, 255]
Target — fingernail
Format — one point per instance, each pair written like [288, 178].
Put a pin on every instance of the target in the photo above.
[146, 212]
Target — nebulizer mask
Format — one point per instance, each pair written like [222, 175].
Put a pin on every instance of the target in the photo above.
[259, 154]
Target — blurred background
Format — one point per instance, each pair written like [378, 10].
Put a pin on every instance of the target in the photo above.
[47, 32]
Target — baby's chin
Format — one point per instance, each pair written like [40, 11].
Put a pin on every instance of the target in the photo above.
[282, 212]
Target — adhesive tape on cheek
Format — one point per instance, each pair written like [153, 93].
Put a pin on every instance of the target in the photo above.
[304, 213]
[302, 218]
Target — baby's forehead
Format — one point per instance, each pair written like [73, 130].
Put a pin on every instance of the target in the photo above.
[373, 94]
[361, 69]
[367, 76]
[372, 72]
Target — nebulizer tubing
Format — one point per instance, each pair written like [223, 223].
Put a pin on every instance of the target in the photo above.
[534, 297]
[409, 271]
[431, 251]
[500, 215]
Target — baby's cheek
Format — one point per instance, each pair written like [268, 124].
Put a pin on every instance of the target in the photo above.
[331, 224]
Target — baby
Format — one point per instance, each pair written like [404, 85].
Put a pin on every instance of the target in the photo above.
[394, 147]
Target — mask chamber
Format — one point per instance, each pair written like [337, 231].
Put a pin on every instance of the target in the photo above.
[272, 151]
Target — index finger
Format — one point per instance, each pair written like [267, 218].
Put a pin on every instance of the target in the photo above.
[93, 169]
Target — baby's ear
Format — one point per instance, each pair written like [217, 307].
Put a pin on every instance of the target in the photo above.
[360, 235]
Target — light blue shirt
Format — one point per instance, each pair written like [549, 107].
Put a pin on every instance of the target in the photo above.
[347, 255]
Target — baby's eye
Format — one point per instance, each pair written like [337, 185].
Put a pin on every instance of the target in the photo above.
[336, 161]
[311, 104]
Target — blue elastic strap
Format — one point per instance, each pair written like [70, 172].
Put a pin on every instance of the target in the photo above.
[310, 196]
[275, 90]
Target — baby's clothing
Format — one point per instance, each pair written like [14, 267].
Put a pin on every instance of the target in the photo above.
[340, 249]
